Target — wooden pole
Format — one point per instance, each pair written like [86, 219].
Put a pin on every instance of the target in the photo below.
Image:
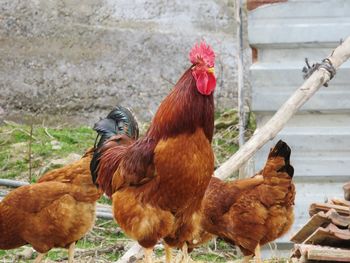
[240, 79]
[283, 115]
[30, 150]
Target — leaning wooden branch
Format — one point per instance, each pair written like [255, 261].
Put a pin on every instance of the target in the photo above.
[283, 115]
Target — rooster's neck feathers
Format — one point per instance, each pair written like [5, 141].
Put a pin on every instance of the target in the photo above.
[183, 110]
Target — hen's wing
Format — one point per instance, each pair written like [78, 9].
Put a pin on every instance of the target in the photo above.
[33, 198]
[137, 167]
[72, 172]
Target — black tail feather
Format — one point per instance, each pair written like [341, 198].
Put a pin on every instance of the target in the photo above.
[283, 150]
[119, 121]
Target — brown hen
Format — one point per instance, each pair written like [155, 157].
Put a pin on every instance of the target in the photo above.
[252, 212]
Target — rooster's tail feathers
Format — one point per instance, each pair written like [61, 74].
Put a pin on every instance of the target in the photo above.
[283, 150]
[120, 121]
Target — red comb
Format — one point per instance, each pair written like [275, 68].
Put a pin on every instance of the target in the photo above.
[202, 53]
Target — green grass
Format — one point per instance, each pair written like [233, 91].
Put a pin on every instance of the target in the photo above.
[105, 200]
[47, 144]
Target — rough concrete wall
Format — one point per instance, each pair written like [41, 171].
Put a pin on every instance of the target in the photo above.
[81, 58]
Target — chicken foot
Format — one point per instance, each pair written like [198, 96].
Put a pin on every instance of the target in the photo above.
[246, 259]
[257, 254]
[168, 253]
[39, 258]
[185, 256]
[148, 255]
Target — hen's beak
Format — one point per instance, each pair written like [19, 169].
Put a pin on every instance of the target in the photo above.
[211, 70]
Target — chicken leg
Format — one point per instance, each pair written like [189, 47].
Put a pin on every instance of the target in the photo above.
[168, 253]
[257, 254]
[71, 252]
[185, 256]
[148, 255]
[39, 258]
[246, 259]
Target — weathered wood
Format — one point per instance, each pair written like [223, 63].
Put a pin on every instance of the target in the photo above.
[338, 201]
[336, 219]
[320, 219]
[132, 255]
[330, 236]
[317, 220]
[321, 253]
[12, 183]
[282, 116]
[240, 79]
[346, 189]
[325, 207]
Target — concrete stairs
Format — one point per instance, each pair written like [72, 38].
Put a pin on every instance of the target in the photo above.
[283, 35]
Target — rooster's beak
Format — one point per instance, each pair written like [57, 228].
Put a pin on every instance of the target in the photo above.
[211, 70]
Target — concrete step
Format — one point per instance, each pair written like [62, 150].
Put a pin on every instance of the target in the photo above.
[333, 140]
[292, 22]
[274, 83]
[310, 120]
[295, 54]
[320, 144]
[316, 165]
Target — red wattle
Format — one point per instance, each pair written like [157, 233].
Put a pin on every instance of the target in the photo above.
[205, 82]
[211, 82]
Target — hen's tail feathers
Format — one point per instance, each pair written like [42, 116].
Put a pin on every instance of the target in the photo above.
[120, 121]
[282, 149]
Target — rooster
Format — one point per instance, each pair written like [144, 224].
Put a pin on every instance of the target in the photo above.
[157, 183]
[60, 208]
[252, 212]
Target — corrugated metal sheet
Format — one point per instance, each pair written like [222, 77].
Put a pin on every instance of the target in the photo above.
[319, 135]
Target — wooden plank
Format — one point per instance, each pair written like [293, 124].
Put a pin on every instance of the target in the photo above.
[346, 189]
[343, 221]
[318, 220]
[12, 183]
[338, 201]
[329, 255]
[303, 252]
[331, 236]
[325, 207]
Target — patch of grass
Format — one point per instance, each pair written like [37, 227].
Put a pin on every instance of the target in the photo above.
[46, 144]
[210, 258]
[57, 254]
[105, 200]
[225, 141]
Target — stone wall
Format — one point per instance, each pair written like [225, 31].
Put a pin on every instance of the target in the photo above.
[70, 58]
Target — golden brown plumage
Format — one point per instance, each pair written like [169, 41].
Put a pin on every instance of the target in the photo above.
[254, 211]
[158, 182]
[55, 212]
